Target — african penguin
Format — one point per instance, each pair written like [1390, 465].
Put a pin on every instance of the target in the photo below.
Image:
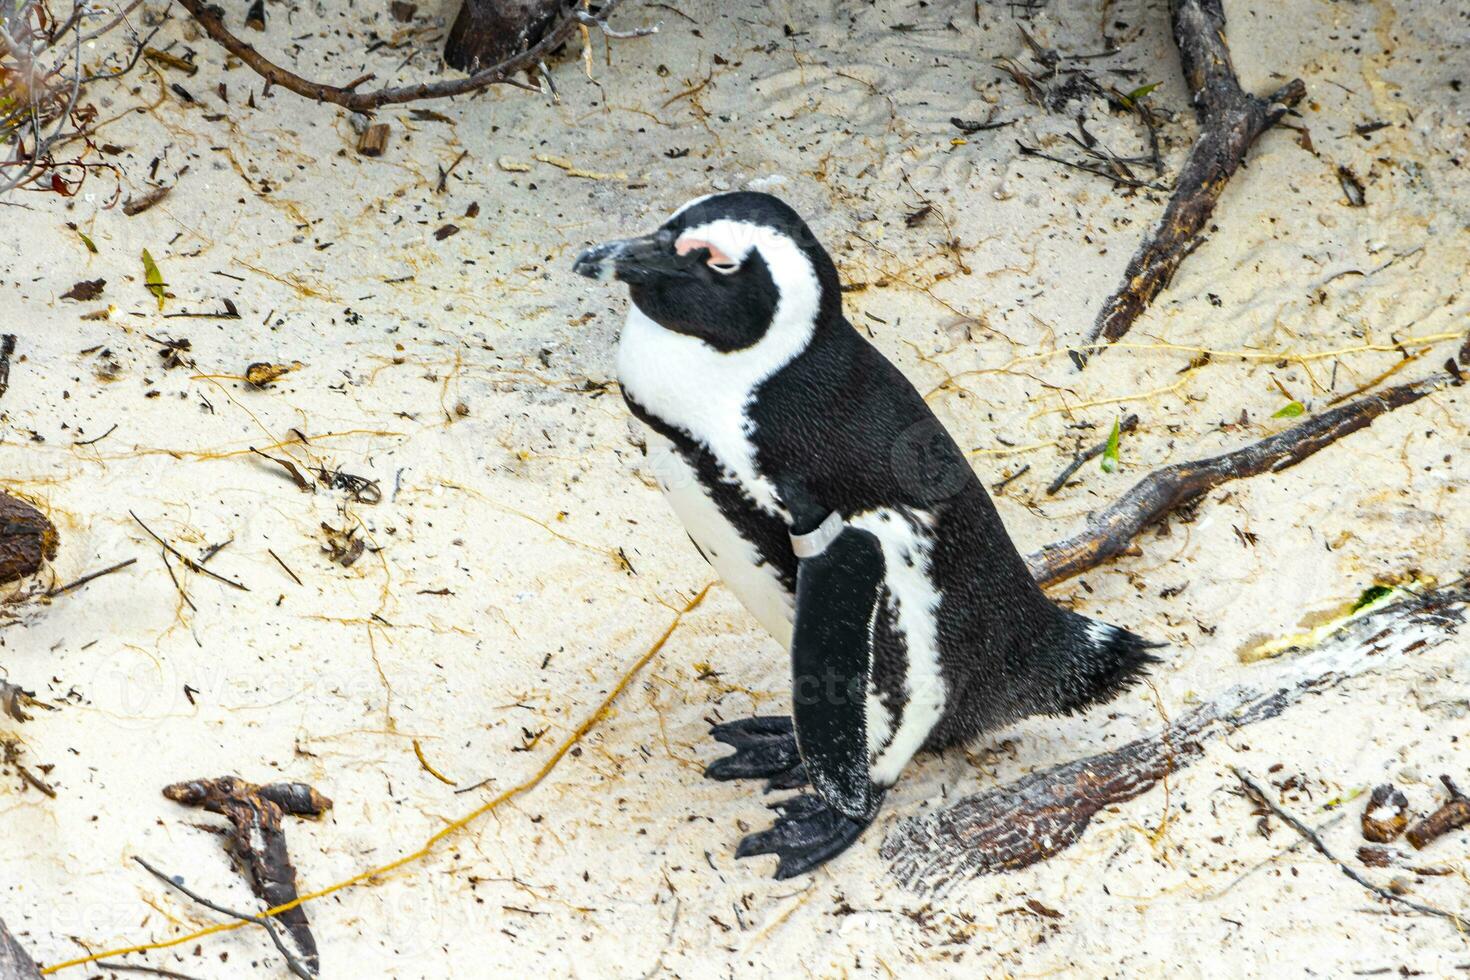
[813, 477]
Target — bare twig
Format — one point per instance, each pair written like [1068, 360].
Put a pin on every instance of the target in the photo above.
[78, 583]
[189, 563]
[501, 73]
[1127, 425]
[292, 962]
[1230, 121]
[1259, 795]
[1110, 532]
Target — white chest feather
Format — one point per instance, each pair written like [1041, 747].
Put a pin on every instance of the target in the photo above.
[739, 565]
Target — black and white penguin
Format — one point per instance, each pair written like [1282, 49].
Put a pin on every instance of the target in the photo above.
[813, 477]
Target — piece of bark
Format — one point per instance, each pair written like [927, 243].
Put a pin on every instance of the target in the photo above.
[1111, 531]
[1452, 816]
[85, 291]
[489, 31]
[1230, 120]
[257, 841]
[1386, 815]
[1035, 817]
[137, 205]
[15, 964]
[374, 140]
[27, 539]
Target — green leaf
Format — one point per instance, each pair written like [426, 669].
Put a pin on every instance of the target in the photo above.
[153, 277]
[1110, 452]
[1376, 593]
[91, 246]
[1141, 92]
[1289, 411]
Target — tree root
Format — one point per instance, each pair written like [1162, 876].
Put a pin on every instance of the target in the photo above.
[1230, 121]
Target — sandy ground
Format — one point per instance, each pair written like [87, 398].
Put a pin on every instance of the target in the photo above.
[519, 560]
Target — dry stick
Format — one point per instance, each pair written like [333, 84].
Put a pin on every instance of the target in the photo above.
[78, 583]
[1110, 532]
[1018, 824]
[1259, 795]
[189, 563]
[1230, 121]
[295, 965]
[500, 73]
[157, 971]
[1452, 816]
[257, 840]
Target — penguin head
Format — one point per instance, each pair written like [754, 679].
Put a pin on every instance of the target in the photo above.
[727, 269]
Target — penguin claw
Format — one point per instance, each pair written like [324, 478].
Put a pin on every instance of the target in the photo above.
[765, 748]
[806, 835]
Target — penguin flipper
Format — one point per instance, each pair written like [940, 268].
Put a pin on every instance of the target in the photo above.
[808, 833]
[837, 593]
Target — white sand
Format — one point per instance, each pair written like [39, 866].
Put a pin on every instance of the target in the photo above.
[621, 862]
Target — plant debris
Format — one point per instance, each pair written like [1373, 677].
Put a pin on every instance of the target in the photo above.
[1453, 815]
[256, 841]
[263, 373]
[27, 539]
[85, 291]
[1386, 815]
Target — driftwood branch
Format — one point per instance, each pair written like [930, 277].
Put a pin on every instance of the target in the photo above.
[1035, 817]
[1110, 532]
[1230, 120]
[257, 842]
[503, 72]
[15, 964]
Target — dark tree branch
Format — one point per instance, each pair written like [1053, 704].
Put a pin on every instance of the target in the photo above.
[1037, 816]
[502, 72]
[1230, 121]
[1110, 532]
[258, 844]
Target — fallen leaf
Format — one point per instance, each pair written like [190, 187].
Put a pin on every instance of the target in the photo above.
[86, 290]
[154, 278]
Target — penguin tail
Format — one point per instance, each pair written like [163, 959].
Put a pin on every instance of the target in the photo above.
[1088, 662]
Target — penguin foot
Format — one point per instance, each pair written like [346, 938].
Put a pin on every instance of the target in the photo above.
[765, 748]
[807, 834]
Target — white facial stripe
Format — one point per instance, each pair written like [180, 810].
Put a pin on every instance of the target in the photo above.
[706, 392]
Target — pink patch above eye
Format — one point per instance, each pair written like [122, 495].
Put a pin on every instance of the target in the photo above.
[716, 257]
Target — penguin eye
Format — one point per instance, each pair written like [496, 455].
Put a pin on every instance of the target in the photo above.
[715, 258]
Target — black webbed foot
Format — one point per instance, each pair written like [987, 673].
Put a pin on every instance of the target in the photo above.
[765, 748]
[808, 833]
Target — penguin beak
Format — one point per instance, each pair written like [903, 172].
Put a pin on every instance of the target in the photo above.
[633, 260]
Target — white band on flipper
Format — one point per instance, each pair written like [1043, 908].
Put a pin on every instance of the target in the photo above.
[813, 543]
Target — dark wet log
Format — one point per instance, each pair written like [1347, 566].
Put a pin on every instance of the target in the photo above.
[1230, 121]
[27, 539]
[489, 31]
[1035, 817]
[1452, 816]
[14, 963]
[257, 841]
[1111, 531]
[1386, 815]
